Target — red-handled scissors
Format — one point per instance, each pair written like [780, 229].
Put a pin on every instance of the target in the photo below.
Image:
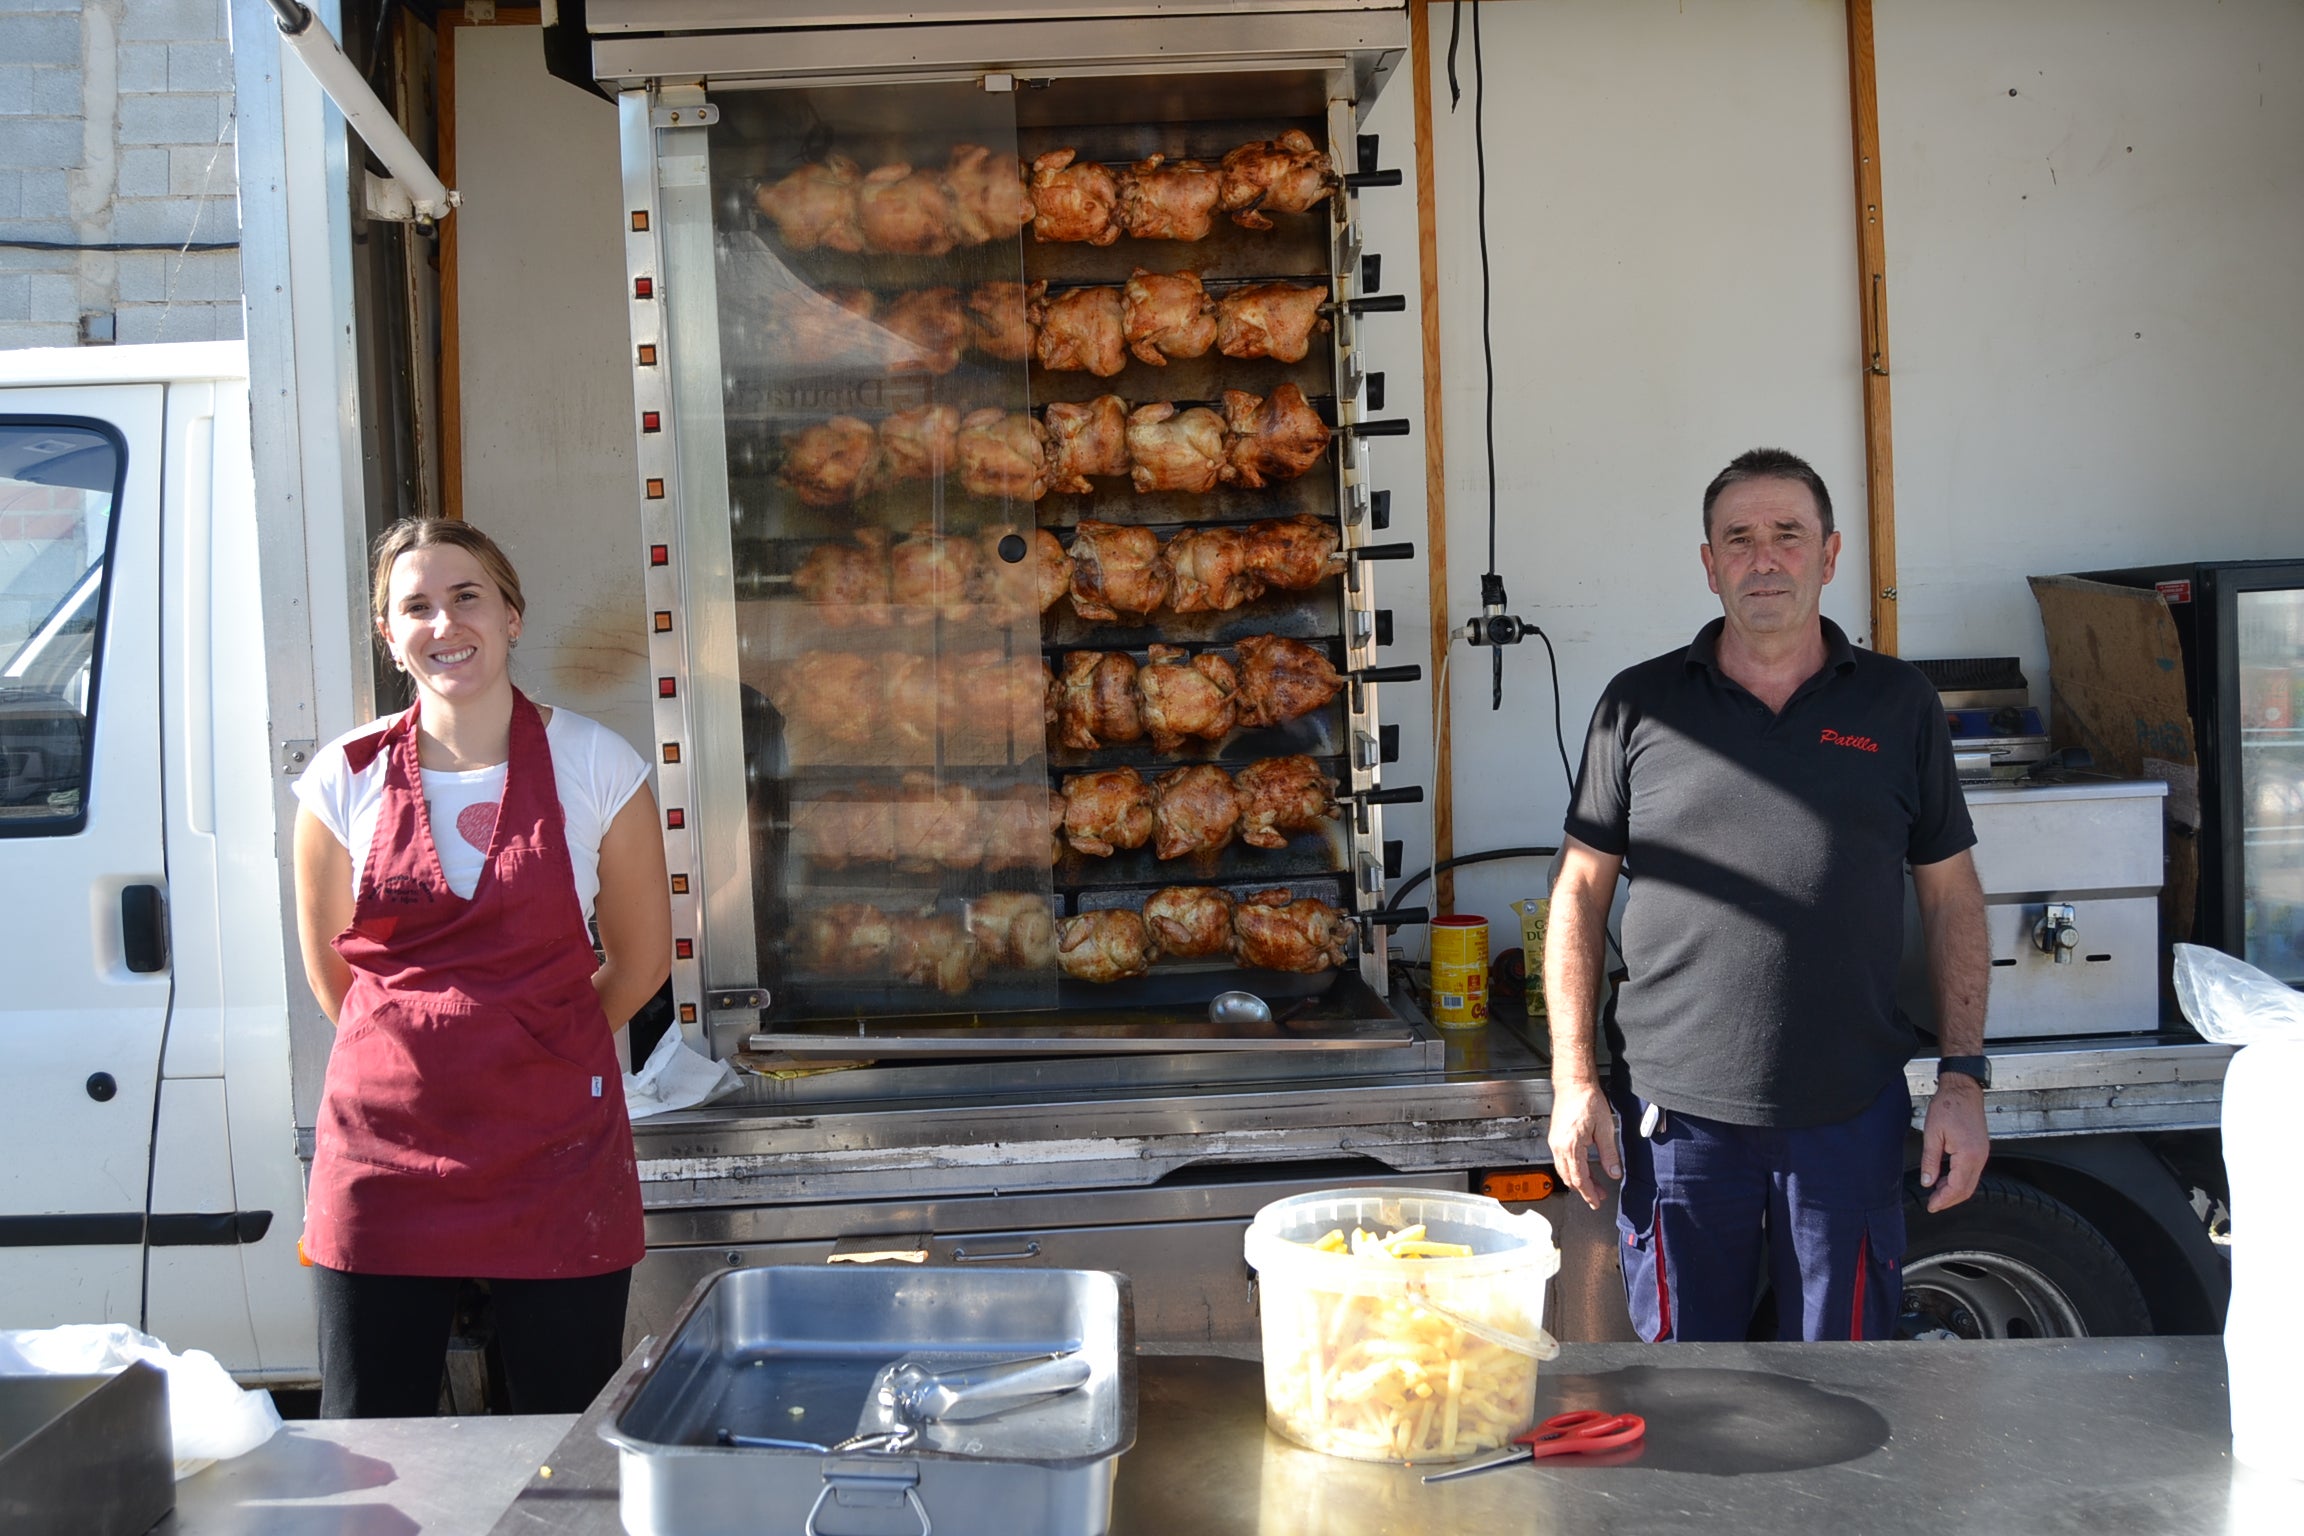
[1566, 1434]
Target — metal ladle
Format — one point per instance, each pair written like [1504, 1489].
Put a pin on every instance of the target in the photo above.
[1238, 1008]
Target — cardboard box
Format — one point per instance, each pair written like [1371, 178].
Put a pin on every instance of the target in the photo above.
[2116, 689]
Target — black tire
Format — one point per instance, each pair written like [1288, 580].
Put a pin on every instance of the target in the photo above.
[2011, 1262]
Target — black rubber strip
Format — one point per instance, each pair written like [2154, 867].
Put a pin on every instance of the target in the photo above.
[98, 1229]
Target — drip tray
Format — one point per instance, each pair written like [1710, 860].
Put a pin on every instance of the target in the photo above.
[1343, 1016]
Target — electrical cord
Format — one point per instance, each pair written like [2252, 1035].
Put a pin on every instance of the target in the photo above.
[1491, 856]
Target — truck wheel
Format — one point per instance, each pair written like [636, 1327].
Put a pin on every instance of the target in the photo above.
[2012, 1263]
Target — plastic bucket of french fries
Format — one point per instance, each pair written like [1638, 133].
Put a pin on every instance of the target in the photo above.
[1401, 1324]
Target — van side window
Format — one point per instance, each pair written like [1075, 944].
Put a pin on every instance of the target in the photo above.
[58, 485]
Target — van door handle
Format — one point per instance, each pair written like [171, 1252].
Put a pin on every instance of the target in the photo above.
[1031, 1250]
[144, 928]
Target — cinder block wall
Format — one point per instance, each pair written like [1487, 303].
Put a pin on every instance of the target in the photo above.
[116, 169]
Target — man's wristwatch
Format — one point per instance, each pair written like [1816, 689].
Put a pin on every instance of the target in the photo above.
[1977, 1067]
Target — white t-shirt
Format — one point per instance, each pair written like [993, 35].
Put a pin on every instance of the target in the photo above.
[595, 769]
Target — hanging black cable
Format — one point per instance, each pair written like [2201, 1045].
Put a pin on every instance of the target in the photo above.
[1490, 856]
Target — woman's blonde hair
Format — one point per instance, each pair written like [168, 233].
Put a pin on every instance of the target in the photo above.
[425, 532]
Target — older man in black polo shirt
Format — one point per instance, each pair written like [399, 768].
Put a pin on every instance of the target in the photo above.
[1764, 790]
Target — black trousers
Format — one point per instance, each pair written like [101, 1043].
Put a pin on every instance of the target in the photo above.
[384, 1341]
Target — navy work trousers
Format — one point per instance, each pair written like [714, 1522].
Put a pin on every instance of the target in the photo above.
[1708, 1210]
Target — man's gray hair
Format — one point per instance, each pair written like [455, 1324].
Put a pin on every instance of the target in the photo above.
[1768, 464]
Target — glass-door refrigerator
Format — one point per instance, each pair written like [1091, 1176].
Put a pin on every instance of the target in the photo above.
[2241, 626]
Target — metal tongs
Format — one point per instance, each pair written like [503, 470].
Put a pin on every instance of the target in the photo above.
[910, 1394]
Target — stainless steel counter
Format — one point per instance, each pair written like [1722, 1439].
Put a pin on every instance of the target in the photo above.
[2107, 1437]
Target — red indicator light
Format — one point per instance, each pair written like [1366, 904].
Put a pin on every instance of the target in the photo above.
[675, 818]
[658, 554]
[650, 421]
[643, 287]
[683, 949]
[667, 688]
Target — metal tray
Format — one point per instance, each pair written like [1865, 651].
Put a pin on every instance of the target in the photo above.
[789, 1352]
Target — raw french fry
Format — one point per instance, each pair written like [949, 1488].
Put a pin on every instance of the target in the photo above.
[1376, 1374]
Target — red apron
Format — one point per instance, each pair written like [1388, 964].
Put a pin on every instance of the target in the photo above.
[472, 1122]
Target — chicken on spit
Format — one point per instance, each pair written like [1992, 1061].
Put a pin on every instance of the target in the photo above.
[995, 705]
[1194, 810]
[1164, 200]
[1000, 323]
[1013, 591]
[907, 212]
[1081, 332]
[847, 580]
[846, 938]
[1097, 703]
[1108, 944]
[930, 950]
[1283, 175]
[830, 700]
[1294, 554]
[1074, 199]
[936, 827]
[918, 444]
[1280, 795]
[1175, 450]
[844, 828]
[1275, 320]
[1190, 922]
[1085, 440]
[1002, 454]
[1018, 828]
[931, 573]
[1275, 438]
[914, 700]
[815, 206]
[833, 462]
[1105, 811]
[1167, 316]
[1014, 928]
[830, 326]
[1273, 933]
[930, 326]
[1208, 571]
[990, 200]
[1186, 697]
[1116, 570]
[1282, 679]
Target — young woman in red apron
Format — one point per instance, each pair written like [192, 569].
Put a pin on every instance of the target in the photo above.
[472, 1123]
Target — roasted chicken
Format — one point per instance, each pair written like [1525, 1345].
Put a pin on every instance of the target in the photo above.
[1175, 450]
[1282, 679]
[844, 828]
[1116, 570]
[1208, 571]
[1272, 933]
[1186, 697]
[830, 700]
[1280, 795]
[1085, 440]
[1167, 316]
[1002, 454]
[936, 826]
[990, 200]
[1105, 811]
[1096, 701]
[846, 938]
[1000, 319]
[907, 212]
[1190, 922]
[913, 701]
[1081, 332]
[1275, 320]
[1074, 199]
[1194, 810]
[1014, 928]
[930, 950]
[1108, 944]
[1275, 438]
[1013, 591]
[931, 326]
[918, 444]
[1284, 175]
[1018, 828]
[848, 581]
[1169, 200]
[833, 462]
[829, 327]
[931, 573]
[1292, 553]
[815, 206]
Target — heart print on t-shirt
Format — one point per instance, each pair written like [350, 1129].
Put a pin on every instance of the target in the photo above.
[476, 823]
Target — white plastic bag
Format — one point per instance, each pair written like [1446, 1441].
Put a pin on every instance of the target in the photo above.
[675, 1076]
[209, 1417]
[2231, 1002]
